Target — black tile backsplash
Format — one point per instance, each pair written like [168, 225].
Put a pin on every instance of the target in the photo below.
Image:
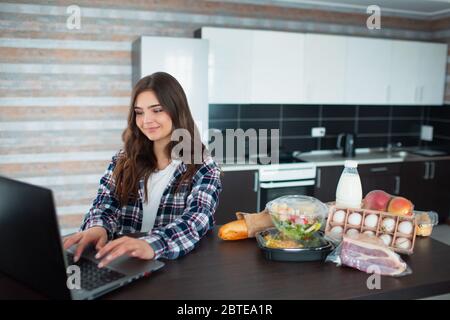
[262, 124]
[260, 111]
[338, 111]
[439, 112]
[223, 111]
[406, 141]
[406, 126]
[328, 143]
[375, 126]
[374, 111]
[334, 127]
[299, 144]
[300, 111]
[372, 142]
[223, 124]
[406, 111]
[298, 128]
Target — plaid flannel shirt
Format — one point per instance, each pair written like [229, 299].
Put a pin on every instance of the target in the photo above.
[183, 217]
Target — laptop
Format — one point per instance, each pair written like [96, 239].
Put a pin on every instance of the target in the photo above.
[32, 250]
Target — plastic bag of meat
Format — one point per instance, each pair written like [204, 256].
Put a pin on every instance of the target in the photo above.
[368, 254]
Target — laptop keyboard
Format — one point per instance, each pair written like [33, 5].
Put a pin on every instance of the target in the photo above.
[91, 276]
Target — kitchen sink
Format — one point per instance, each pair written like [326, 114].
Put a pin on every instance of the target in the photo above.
[366, 157]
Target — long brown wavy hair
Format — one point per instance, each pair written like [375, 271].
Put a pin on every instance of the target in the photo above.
[139, 159]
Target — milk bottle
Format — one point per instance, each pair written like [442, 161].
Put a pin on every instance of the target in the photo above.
[349, 190]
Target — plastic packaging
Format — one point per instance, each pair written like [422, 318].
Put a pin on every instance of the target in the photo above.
[349, 190]
[297, 217]
[368, 254]
[397, 232]
[425, 222]
[276, 247]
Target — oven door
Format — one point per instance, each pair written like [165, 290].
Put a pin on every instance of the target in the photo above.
[274, 189]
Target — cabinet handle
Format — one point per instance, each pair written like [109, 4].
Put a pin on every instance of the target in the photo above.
[397, 185]
[319, 180]
[379, 169]
[255, 181]
[421, 93]
[388, 93]
[415, 93]
[433, 168]
[427, 171]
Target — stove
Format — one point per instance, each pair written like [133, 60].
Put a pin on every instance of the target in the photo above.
[283, 157]
[288, 177]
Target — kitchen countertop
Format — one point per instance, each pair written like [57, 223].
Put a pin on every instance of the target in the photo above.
[323, 159]
[238, 270]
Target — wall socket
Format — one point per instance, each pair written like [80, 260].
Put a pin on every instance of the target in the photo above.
[426, 133]
[318, 132]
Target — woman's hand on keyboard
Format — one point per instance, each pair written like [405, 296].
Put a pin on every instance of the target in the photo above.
[132, 247]
[94, 235]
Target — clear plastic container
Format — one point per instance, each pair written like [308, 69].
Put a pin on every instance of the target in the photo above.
[425, 220]
[297, 217]
[349, 190]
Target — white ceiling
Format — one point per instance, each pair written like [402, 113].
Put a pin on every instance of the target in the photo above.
[410, 8]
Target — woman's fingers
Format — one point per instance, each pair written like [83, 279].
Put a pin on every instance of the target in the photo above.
[139, 253]
[123, 248]
[71, 240]
[80, 248]
[109, 247]
[101, 243]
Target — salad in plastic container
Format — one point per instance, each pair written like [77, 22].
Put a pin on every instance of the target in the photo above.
[297, 217]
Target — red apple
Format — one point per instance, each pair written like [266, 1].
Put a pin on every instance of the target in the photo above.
[376, 200]
[400, 206]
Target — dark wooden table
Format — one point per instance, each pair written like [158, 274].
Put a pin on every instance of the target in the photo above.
[238, 270]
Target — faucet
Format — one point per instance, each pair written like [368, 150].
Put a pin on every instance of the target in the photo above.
[391, 146]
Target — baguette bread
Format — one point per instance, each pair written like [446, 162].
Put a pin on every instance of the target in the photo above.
[235, 230]
[246, 225]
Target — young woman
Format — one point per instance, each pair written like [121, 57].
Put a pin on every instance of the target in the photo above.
[146, 188]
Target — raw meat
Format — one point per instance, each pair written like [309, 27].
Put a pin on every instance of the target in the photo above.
[362, 252]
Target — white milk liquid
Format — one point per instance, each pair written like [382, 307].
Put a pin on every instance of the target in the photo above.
[349, 191]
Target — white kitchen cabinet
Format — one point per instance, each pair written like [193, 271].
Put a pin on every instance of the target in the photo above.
[417, 75]
[185, 59]
[368, 64]
[254, 66]
[229, 64]
[277, 67]
[259, 66]
[431, 73]
[403, 87]
[325, 68]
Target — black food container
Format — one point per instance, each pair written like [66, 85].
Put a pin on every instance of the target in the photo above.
[315, 253]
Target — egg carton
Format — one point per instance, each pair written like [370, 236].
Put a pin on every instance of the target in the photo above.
[401, 246]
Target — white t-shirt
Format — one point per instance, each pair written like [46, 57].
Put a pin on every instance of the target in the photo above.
[157, 183]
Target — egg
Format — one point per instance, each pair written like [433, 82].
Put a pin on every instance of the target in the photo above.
[403, 243]
[387, 239]
[369, 233]
[405, 227]
[388, 225]
[339, 216]
[351, 232]
[371, 221]
[354, 219]
[337, 230]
